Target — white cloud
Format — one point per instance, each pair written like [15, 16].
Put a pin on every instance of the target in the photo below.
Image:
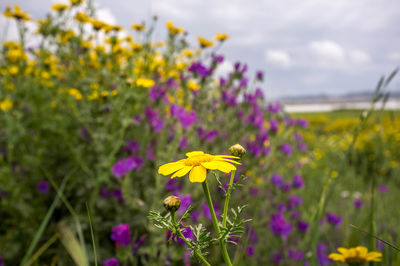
[327, 52]
[278, 57]
[359, 57]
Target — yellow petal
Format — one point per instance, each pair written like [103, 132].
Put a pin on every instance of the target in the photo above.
[226, 160]
[336, 257]
[198, 174]
[374, 256]
[219, 165]
[182, 172]
[344, 251]
[169, 168]
[194, 153]
[362, 251]
[228, 156]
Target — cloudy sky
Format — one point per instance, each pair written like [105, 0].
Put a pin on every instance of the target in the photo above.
[304, 47]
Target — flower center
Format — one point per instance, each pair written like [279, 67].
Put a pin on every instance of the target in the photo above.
[198, 159]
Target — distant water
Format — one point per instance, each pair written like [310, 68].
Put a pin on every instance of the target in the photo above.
[326, 107]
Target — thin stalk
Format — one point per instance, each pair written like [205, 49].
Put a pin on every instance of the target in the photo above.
[222, 243]
[227, 199]
[371, 220]
[179, 233]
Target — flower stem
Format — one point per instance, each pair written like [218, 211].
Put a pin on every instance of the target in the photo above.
[222, 243]
[179, 233]
[227, 198]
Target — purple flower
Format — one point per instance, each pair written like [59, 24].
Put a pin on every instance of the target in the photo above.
[276, 257]
[137, 244]
[277, 180]
[111, 262]
[131, 146]
[294, 201]
[104, 193]
[250, 250]
[121, 234]
[383, 189]
[187, 119]
[155, 122]
[222, 82]
[43, 186]
[206, 210]
[218, 59]
[123, 166]
[297, 181]
[274, 107]
[322, 250]
[156, 93]
[302, 226]
[273, 125]
[186, 201]
[333, 219]
[358, 203]
[197, 68]
[295, 255]
[260, 75]
[117, 194]
[279, 226]
[173, 185]
[286, 149]
[286, 187]
[302, 122]
[254, 191]
[187, 233]
[211, 135]
[183, 143]
[84, 133]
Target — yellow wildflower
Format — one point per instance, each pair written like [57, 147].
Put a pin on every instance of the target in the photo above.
[193, 85]
[17, 14]
[220, 37]
[75, 93]
[6, 104]
[82, 17]
[59, 7]
[172, 29]
[355, 256]
[197, 164]
[138, 27]
[76, 2]
[188, 53]
[144, 82]
[204, 43]
[13, 70]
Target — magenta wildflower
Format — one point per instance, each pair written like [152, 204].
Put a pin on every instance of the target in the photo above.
[322, 255]
[121, 234]
[302, 122]
[123, 166]
[250, 250]
[273, 125]
[358, 203]
[183, 143]
[294, 201]
[333, 219]
[274, 107]
[279, 226]
[277, 180]
[286, 149]
[383, 189]
[206, 211]
[276, 257]
[43, 186]
[302, 226]
[297, 181]
[260, 75]
[186, 201]
[131, 146]
[111, 262]
[295, 255]
[155, 122]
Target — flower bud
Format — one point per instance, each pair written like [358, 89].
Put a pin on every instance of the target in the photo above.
[237, 150]
[172, 203]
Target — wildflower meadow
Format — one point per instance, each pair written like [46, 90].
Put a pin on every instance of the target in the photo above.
[117, 148]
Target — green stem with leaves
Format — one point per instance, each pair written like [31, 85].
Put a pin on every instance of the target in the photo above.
[227, 199]
[215, 223]
[179, 233]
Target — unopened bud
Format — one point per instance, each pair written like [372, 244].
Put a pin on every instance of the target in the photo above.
[237, 150]
[172, 203]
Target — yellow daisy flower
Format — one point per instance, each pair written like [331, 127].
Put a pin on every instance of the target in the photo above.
[197, 164]
[355, 256]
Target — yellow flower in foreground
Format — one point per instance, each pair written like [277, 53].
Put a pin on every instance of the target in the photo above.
[355, 256]
[204, 43]
[196, 164]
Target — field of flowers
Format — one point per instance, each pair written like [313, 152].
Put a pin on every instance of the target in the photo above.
[95, 119]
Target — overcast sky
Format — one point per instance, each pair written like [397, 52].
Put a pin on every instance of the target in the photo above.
[304, 47]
